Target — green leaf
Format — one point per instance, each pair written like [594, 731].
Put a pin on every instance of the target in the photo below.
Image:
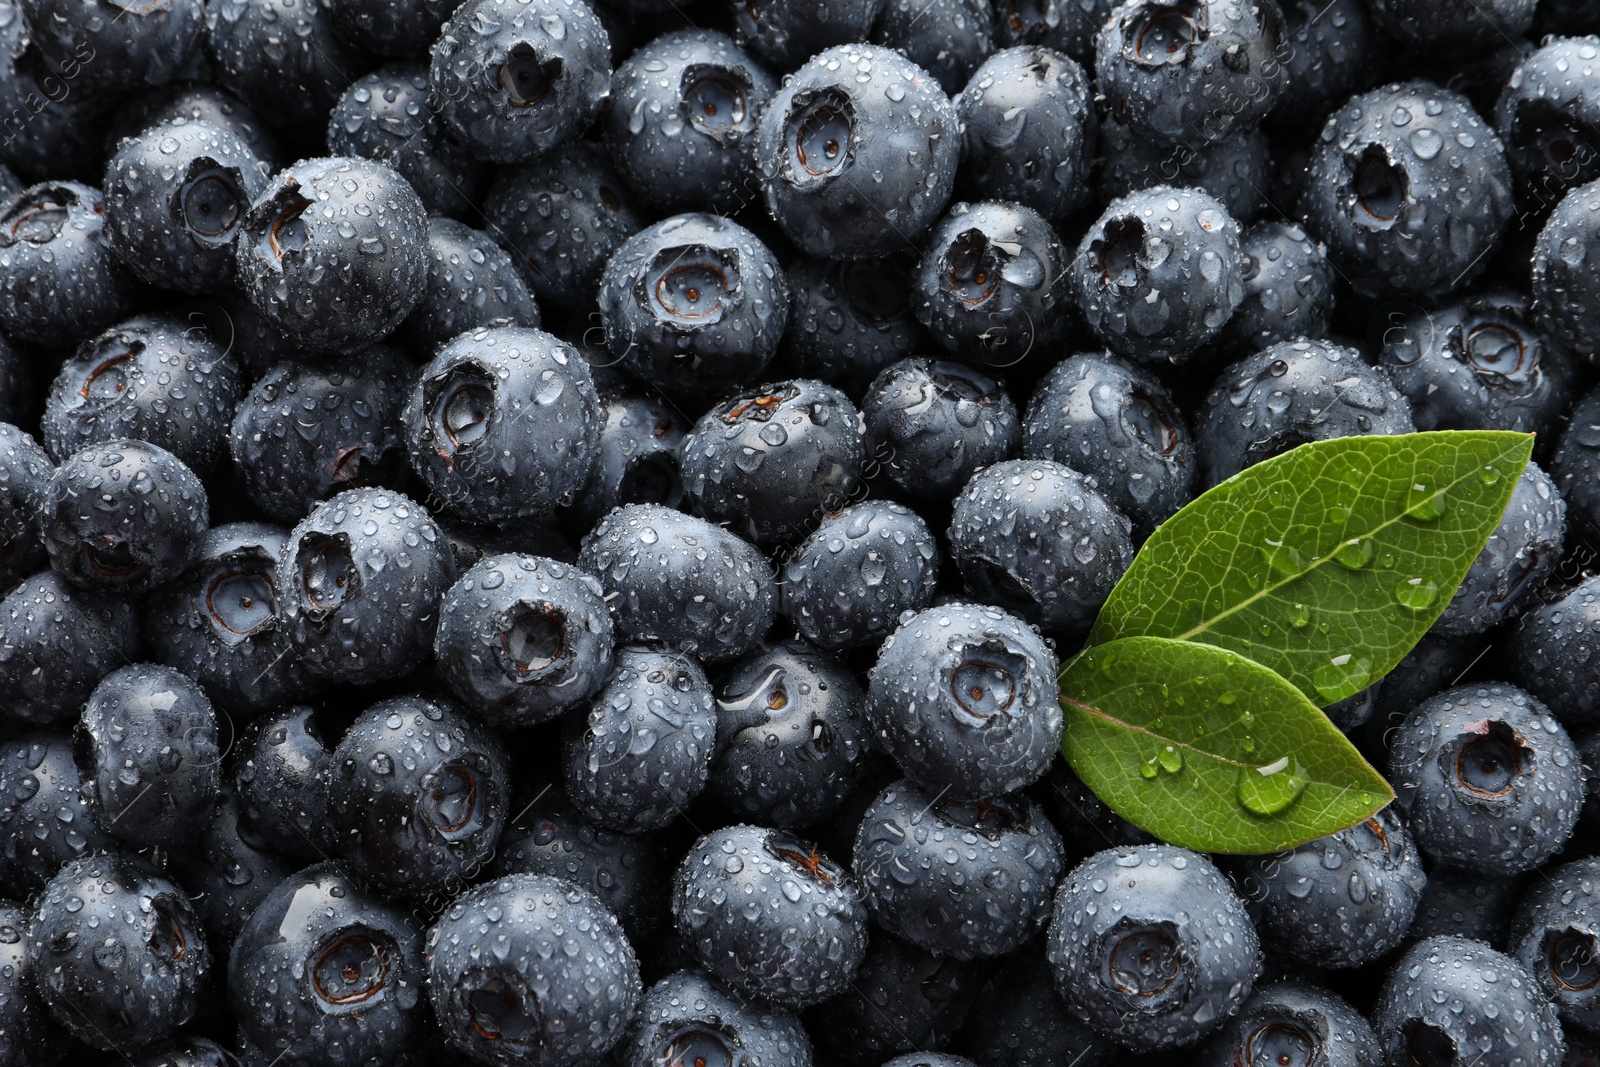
[1207, 750]
[1327, 563]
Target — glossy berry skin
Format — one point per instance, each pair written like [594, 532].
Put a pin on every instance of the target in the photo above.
[946, 38]
[1180, 244]
[850, 320]
[358, 582]
[509, 85]
[54, 234]
[687, 1017]
[25, 471]
[993, 285]
[625, 872]
[1046, 165]
[1546, 118]
[1479, 364]
[149, 738]
[1553, 935]
[792, 736]
[801, 945]
[561, 219]
[1287, 395]
[195, 102]
[16, 385]
[673, 578]
[1487, 778]
[523, 638]
[783, 36]
[418, 793]
[1020, 1020]
[1463, 902]
[502, 997]
[282, 56]
[472, 283]
[103, 45]
[857, 152]
[1067, 26]
[280, 777]
[399, 28]
[502, 424]
[386, 117]
[186, 1051]
[932, 423]
[124, 516]
[1555, 654]
[1237, 170]
[1328, 54]
[694, 304]
[1288, 287]
[682, 118]
[1505, 1019]
[902, 998]
[1191, 74]
[994, 896]
[57, 641]
[1576, 464]
[326, 972]
[769, 462]
[847, 584]
[1042, 540]
[1151, 946]
[1116, 422]
[116, 952]
[1521, 552]
[28, 1038]
[335, 267]
[1294, 1022]
[228, 871]
[175, 197]
[1407, 187]
[643, 752]
[288, 468]
[39, 780]
[964, 698]
[218, 622]
[1566, 286]
[1340, 901]
[636, 457]
[1451, 28]
[152, 377]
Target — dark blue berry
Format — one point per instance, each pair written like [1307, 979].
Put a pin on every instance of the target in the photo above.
[850, 320]
[47, 812]
[1521, 552]
[58, 276]
[472, 282]
[932, 423]
[280, 777]
[25, 472]
[1288, 288]
[57, 641]
[636, 459]
[1555, 654]
[688, 1018]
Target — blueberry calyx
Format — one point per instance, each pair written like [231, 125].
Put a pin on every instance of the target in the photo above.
[352, 970]
[715, 99]
[212, 202]
[1161, 36]
[37, 217]
[1379, 187]
[527, 79]
[820, 133]
[1490, 759]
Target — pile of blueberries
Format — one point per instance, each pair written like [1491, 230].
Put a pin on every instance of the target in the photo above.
[542, 532]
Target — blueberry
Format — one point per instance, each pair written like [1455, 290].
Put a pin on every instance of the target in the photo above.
[1449, 28]
[993, 897]
[784, 36]
[58, 276]
[16, 385]
[1486, 778]
[694, 304]
[510, 87]
[1432, 666]
[193, 102]
[1289, 1024]
[1521, 552]
[1029, 131]
[113, 47]
[286, 466]
[400, 28]
[946, 38]
[152, 377]
[1290, 394]
[674, 578]
[1085, 821]
[857, 165]
[334, 252]
[993, 284]
[636, 460]
[1193, 72]
[228, 871]
[523, 638]
[964, 698]
[561, 219]
[1554, 935]
[1117, 423]
[359, 579]
[1478, 364]
[806, 934]
[929, 1059]
[688, 1018]
[625, 872]
[56, 642]
[1328, 53]
[51, 132]
[283, 57]
[1151, 946]
[187, 1051]
[25, 472]
[1067, 26]
[1546, 118]
[28, 1038]
[850, 320]
[932, 423]
[1504, 1016]
[1465, 903]
[1042, 540]
[116, 952]
[1340, 901]
[682, 118]
[1409, 189]
[327, 973]
[1179, 244]
[40, 783]
[643, 752]
[1555, 654]
[472, 283]
[847, 584]
[1236, 170]
[280, 777]
[902, 998]
[124, 515]
[1020, 1020]
[1566, 290]
[386, 116]
[1576, 464]
[417, 795]
[500, 993]
[1288, 288]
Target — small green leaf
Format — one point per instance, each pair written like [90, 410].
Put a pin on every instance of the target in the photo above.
[1207, 750]
[1327, 563]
